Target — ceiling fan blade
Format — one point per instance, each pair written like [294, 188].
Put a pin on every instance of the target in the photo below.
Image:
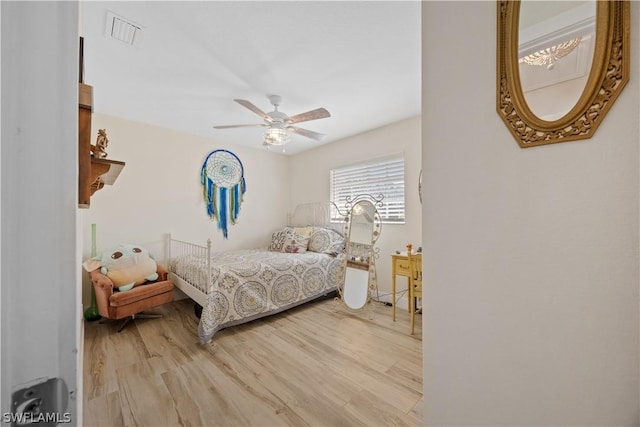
[239, 126]
[250, 106]
[319, 113]
[308, 133]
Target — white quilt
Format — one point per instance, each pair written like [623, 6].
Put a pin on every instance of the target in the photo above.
[253, 283]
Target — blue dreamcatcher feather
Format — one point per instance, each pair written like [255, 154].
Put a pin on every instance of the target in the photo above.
[223, 184]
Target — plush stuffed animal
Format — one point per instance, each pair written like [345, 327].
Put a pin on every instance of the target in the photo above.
[126, 266]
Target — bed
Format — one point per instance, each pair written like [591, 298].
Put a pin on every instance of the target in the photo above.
[236, 287]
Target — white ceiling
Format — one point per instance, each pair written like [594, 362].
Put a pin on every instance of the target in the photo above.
[360, 60]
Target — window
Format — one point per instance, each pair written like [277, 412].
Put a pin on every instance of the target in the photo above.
[382, 176]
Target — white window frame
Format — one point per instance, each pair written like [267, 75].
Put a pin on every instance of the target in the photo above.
[385, 176]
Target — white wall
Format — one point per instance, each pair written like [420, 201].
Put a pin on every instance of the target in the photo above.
[310, 183]
[531, 289]
[159, 191]
[40, 305]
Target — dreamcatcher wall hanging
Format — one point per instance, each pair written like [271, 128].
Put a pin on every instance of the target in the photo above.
[223, 185]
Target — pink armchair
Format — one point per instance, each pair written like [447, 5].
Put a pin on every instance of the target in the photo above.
[128, 305]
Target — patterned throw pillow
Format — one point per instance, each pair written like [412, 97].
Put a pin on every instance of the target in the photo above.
[326, 241]
[296, 244]
[291, 240]
[279, 238]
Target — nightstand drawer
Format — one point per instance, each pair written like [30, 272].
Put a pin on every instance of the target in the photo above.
[402, 266]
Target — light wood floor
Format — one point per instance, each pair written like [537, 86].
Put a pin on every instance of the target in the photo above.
[310, 366]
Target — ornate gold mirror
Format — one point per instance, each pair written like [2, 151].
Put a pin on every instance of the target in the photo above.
[561, 65]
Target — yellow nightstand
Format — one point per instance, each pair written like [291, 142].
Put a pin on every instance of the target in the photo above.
[399, 267]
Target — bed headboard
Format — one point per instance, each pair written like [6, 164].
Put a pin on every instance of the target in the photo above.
[316, 214]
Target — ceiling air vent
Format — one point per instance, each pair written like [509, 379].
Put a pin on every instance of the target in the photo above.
[123, 30]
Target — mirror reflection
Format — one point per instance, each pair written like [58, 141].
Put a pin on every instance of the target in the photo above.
[555, 51]
[362, 223]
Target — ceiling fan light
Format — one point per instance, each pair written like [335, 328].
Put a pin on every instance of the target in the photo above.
[276, 136]
[552, 54]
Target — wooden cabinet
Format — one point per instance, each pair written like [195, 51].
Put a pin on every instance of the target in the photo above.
[93, 173]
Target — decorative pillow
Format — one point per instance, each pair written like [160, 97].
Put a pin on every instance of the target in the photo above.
[326, 241]
[303, 231]
[296, 244]
[290, 239]
[279, 238]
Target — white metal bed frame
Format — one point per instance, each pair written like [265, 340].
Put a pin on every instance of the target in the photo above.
[189, 285]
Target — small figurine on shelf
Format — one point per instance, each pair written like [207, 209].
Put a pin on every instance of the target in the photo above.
[100, 149]
[409, 247]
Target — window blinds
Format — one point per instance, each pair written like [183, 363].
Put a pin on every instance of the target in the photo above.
[384, 177]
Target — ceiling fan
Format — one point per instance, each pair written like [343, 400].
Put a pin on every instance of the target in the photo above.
[279, 124]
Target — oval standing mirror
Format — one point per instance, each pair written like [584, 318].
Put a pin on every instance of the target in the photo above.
[361, 231]
[561, 65]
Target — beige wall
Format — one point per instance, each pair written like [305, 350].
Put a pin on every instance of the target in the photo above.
[310, 182]
[531, 289]
[159, 191]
